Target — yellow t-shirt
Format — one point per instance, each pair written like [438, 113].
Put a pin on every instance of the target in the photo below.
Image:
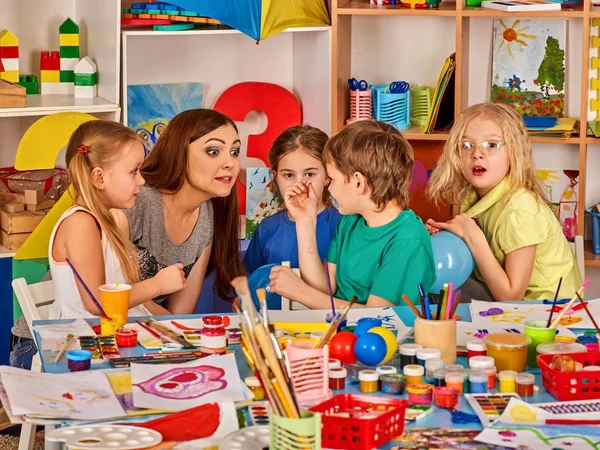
[522, 222]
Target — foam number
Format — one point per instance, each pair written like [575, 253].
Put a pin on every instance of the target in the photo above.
[277, 103]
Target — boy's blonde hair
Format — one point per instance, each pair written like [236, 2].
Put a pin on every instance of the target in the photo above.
[380, 153]
[103, 141]
[448, 183]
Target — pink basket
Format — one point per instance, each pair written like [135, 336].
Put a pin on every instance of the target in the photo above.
[360, 106]
[310, 372]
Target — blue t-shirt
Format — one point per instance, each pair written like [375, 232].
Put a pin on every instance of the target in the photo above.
[275, 240]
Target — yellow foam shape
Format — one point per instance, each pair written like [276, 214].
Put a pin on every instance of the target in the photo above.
[595, 104]
[595, 41]
[595, 84]
[50, 76]
[69, 40]
[596, 22]
[595, 62]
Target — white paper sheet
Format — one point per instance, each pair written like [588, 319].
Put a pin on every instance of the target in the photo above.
[177, 387]
[465, 331]
[82, 395]
[78, 327]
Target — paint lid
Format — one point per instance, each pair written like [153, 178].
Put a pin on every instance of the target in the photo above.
[525, 378]
[414, 370]
[487, 370]
[382, 370]
[252, 382]
[79, 355]
[440, 374]
[338, 372]
[409, 349]
[368, 375]
[507, 375]
[334, 363]
[392, 378]
[565, 339]
[476, 345]
[477, 376]
[455, 368]
[279, 333]
[212, 320]
[434, 364]
[428, 353]
[419, 388]
[478, 362]
[591, 368]
[553, 348]
[507, 341]
[455, 377]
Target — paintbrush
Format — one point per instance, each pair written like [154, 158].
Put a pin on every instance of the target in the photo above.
[335, 323]
[554, 303]
[102, 313]
[569, 305]
[329, 288]
[64, 347]
[161, 338]
[588, 313]
[152, 323]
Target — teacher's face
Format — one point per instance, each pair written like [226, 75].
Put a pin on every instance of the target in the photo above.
[214, 162]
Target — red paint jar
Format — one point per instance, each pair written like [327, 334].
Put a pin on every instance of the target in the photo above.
[126, 338]
[475, 347]
[337, 378]
[213, 337]
[445, 397]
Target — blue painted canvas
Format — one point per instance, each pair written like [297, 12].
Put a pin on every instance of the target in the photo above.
[150, 107]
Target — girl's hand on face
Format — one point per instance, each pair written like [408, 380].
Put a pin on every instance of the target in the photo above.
[462, 225]
[301, 201]
[431, 228]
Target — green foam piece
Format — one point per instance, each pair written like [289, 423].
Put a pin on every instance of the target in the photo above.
[33, 270]
[69, 52]
[174, 27]
[86, 79]
[68, 27]
[67, 76]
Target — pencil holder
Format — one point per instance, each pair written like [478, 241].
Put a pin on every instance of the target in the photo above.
[392, 108]
[421, 97]
[360, 106]
[309, 372]
[440, 334]
[295, 434]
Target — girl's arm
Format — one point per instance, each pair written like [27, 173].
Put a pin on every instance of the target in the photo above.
[185, 301]
[155, 309]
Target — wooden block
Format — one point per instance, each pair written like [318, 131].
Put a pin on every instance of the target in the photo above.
[20, 222]
[13, 241]
[44, 205]
[8, 197]
[12, 95]
[34, 197]
[14, 207]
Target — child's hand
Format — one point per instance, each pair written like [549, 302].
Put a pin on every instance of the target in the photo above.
[236, 305]
[465, 227]
[285, 282]
[431, 228]
[301, 201]
[171, 279]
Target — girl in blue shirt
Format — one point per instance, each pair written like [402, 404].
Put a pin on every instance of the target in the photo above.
[296, 155]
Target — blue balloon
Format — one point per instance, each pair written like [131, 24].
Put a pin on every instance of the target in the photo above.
[453, 260]
[260, 278]
[370, 349]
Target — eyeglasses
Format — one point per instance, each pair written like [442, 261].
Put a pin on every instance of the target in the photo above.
[487, 147]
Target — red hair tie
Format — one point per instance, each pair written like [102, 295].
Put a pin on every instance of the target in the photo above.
[83, 149]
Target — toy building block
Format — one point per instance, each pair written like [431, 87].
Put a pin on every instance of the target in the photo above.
[86, 78]
[69, 50]
[40, 206]
[49, 61]
[50, 76]
[57, 88]
[14, 207]
[30, 83]
[1, 66]
[9, 55]
[34, 196]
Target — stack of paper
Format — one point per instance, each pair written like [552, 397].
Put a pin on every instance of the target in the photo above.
[562, 130]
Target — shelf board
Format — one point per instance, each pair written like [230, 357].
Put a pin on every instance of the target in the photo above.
[595, 11]
[547, 140]
[592, 140]
[6, 253]
[474, 11]
[364, 8]
[215, 30]
[41, 105]
[591, 259]
[415, 133]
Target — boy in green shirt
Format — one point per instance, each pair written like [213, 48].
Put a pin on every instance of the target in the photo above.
[382, 249]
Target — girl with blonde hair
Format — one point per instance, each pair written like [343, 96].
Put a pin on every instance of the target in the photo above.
[516, 240]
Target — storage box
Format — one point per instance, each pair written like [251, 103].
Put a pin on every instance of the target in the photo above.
[21, 222]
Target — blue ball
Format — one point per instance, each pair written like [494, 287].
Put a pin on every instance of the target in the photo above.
[370, 349]
[453, 260]
[364, 324]
[260, 278]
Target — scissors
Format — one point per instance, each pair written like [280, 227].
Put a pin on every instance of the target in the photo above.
[357, 85]
[399, 87]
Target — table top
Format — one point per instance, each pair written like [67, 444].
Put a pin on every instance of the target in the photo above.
[439, 418]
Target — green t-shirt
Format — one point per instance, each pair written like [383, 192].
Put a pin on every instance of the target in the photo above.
[386, 261]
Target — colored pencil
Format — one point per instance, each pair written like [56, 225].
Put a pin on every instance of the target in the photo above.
[411, 306]
[572, 422]
[444, 294]
[450, 296]
[455, 304]
[589, 313]
[422, 299]
[329, 288]
[427, 309]
[554, 303]
[569, 305]
[87, 290]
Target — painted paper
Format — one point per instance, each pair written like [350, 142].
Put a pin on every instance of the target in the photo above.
[226, 426]
[466, 331]
[441, 438]
[120, 382]
[261, 201]
[528, 71]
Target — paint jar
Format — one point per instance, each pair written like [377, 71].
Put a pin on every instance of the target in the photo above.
[126, 338]
[431, 365]
[475, 347]
[491, 374]
[478, 382]
[368, 381]
[440, 334]
[255, 387]
[414, 374]
[455, 380]
[427, 353]
[480, 362]
[334, 363]
[562, 348]
[445, 397]
[439, 377]
[419, 394]
[525, 383]
[337, 378]
[455, 368]
[213, 336]
[392, 383]
[466, 384]
[591, 369]
[539, 333]
[408, 354]
[509, 350]
[79, 360]
[385, 370]
[507, 381]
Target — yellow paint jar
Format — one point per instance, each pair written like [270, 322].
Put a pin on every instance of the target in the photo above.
[414, 373]
[368, 381]
[255, 387]
[509, 350]
[507, 381]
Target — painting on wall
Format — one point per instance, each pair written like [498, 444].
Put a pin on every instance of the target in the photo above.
[561, 190]
[150, 107]
[528, 65]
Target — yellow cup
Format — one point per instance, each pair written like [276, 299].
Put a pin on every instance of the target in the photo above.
[114, 298]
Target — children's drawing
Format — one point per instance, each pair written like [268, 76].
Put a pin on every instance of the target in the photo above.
[177, 387]
[466, 331]
[441, 438]
[528, 70]
[120, 382]
[561, 190]
[261, 200]
[150, 107]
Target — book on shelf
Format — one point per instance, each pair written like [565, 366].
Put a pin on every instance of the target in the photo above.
[441, 114]
[521, 5]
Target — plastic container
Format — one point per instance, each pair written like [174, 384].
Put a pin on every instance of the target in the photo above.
[431, 365]
[408, 354]
[440, 334]
[368, 380]
[480, 362]
[507, 381]
[582, 385]
[445, 397]
[491, 374]
[390, 107]
[509, 350]
[126, 338]
[384, 370]
[360, 433]
[414, 374]
[337, 378]
[392, 383]
[560, 348]
[478, 382]
[539, 333]
[525, 383]
[595, 218]
[419, 394]
[255, 387]
[295, 434]
[475, 347]
[334, 363]
[427, 353]
[439, 377]
[78, 360]
[455, 380]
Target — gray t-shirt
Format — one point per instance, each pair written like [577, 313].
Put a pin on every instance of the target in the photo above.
[149, 234]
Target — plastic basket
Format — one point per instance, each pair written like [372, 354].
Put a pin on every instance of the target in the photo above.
[361, 105]
[360, 433]
[391, 108]
[309, 372]
[595, 217]
[421, 97]
[295, 434]
[582, 385]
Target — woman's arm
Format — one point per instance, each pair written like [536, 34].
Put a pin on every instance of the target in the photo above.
[186, 300]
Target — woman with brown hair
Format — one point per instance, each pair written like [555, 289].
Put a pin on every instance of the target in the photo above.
[189, 193]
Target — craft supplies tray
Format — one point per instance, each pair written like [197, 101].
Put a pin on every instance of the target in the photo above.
[378, 419]
[581, 385]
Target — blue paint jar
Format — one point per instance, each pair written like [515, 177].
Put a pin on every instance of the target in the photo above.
[478, 382]
[79, 360]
